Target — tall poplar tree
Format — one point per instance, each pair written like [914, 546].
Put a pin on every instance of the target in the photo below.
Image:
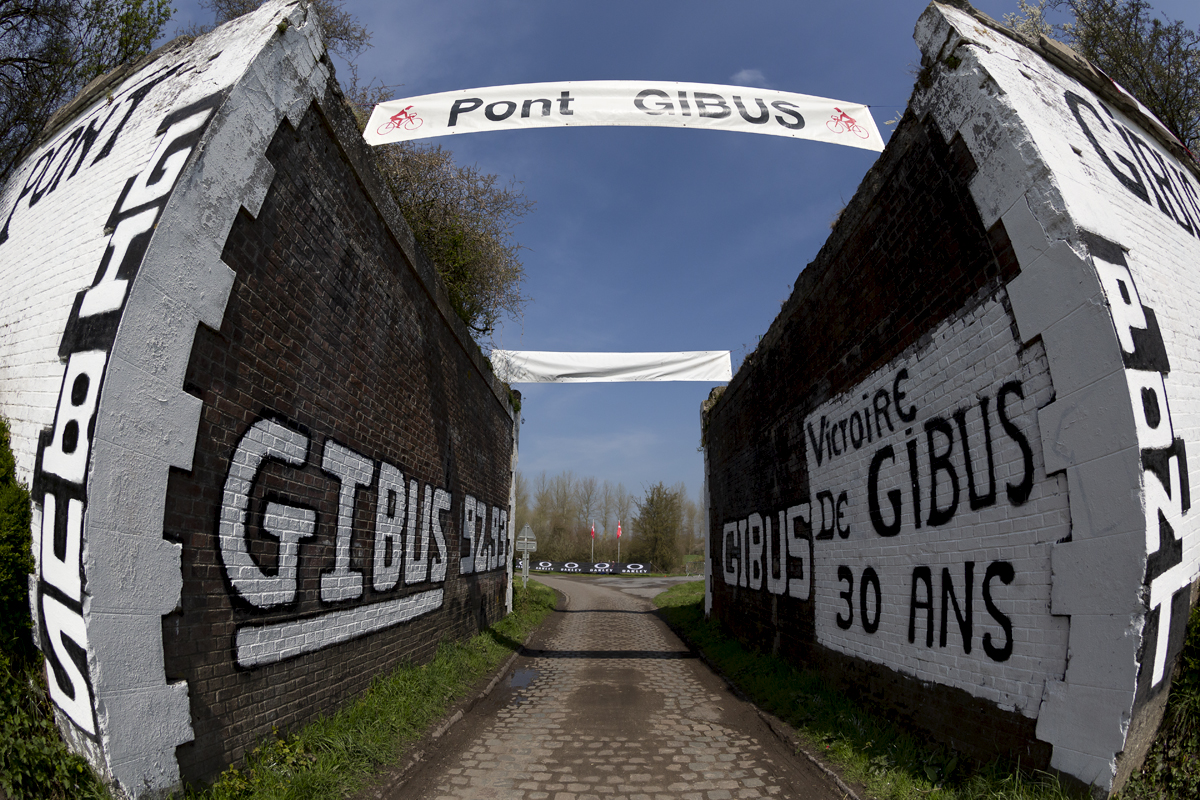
[659, 519]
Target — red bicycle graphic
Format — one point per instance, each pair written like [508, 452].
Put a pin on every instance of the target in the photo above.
[402, 119]
[842, 122]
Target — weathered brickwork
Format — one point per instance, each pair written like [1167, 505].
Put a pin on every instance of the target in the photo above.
[954, 474]
[268, 461]
[885, 277]
[329, 332]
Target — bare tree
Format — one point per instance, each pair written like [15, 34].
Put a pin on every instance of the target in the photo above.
[51, 49]
[587, 500]
[343, 33]
[690, 539]
[608, 508]
[462, 218]
[555, 516]
[1030, 20]
[624, 506]
[561, 507]
[521, 510]
[1156, 59]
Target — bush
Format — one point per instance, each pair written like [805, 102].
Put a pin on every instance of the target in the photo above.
[461, 217]
[34, 762]
[1172, 767]
[16, 555]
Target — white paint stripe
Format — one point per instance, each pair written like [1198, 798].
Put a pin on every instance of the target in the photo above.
[258, 645]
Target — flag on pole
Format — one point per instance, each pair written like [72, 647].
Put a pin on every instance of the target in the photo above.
[618, 530]
[593, 530]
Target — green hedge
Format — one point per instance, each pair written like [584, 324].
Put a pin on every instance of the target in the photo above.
[34, 762]
[16, 555]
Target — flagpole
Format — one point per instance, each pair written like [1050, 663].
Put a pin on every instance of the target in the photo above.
[618, 541]
[593, 541]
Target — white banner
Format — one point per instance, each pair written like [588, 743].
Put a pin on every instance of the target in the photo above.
[645, 103]
[531, 366]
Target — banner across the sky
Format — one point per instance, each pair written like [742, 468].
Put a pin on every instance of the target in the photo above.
[642, 103]
[540, 366]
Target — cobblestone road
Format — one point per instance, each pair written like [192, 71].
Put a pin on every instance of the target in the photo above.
[607, 703]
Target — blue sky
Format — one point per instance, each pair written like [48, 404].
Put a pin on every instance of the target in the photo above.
[652, 239]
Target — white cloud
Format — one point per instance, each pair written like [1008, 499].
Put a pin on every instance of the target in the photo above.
[749, 77]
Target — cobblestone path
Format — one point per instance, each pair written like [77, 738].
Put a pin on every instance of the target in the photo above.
[609, 704]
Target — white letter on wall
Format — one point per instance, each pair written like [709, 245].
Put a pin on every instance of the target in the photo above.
[730, 572]
[353, 470]
[67, 454]
[389, 528]
[62, 574]
[441, 502]
[265, 439]
[467, 562]
[416, 553]
[63, 625]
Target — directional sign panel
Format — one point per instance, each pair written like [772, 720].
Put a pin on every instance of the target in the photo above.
[526, 540]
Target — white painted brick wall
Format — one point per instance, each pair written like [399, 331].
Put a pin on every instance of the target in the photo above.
[52, 252]
[120, 711]
[1027, 125]
[969, 358]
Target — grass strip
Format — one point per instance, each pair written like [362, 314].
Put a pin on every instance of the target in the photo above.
[869, 750]
[334, 756]
[1172, 767]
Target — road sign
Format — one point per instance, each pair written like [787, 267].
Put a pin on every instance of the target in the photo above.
[526, 541]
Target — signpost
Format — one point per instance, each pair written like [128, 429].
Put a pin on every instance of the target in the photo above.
[526, 544]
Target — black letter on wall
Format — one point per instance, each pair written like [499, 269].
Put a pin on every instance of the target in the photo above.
[1005, 572]
[964, 617]
[882, 528]
[1018, 493]
[941, 463]
[925, 575]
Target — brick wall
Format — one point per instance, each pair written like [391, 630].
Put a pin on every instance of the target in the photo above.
[329, 332]
[268, 461]
[953, 475]
[914, 351]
